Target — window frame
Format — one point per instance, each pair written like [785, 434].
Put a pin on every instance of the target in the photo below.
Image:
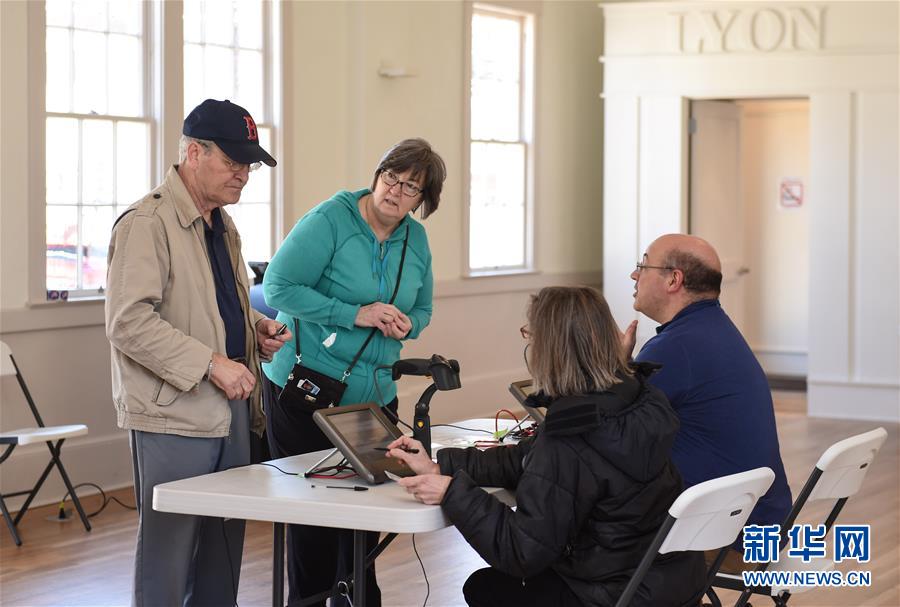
[163, 43]
[527, 13]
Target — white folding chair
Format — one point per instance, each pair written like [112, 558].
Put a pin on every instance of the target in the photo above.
[837, 475]
[53, 436]
[706, 516]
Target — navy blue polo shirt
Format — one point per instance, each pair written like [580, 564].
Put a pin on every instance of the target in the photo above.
[226, 290]
[720, 393]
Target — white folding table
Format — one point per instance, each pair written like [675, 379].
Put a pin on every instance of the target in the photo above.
[262, 493]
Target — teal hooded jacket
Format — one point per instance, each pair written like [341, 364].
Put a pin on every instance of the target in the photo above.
[329, 266]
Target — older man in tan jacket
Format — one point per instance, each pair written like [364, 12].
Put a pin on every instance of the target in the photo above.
[186, 347]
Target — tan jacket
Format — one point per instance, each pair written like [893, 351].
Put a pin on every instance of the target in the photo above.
[163, 321]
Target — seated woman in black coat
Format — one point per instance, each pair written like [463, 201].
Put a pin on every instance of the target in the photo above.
[592, 486]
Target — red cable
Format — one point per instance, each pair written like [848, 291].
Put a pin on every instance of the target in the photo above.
[497, 419]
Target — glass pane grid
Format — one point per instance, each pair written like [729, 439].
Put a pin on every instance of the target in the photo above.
[224, 58]
[224, 54]
[94, 58]
[95, 168]
[498, 209]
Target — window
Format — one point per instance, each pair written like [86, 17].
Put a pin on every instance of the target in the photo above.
[500, 141]
[97, 134]
[225, 58]
[104, 106]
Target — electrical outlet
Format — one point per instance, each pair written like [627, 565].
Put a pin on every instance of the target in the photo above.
[62, 516]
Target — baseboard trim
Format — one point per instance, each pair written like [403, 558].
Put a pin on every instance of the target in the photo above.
[790, 383]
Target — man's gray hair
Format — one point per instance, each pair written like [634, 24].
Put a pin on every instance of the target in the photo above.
[185, 141]
[700, 280]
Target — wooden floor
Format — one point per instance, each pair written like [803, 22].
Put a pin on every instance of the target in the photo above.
[61, 564]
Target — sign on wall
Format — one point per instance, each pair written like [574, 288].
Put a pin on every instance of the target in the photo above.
[790, 193]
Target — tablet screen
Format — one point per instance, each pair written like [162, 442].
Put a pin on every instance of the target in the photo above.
[362, 430]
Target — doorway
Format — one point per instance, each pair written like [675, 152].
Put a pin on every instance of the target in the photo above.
[749, 170]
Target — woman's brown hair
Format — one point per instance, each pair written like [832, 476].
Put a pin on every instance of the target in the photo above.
[426, 165]
[575, 344]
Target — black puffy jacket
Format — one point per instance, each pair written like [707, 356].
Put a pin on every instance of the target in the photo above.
[592, 488]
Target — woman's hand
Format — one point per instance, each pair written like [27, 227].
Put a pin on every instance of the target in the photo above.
[378, 315]
[418, 462]
[268, 338]
[427, 488]
[401, 326]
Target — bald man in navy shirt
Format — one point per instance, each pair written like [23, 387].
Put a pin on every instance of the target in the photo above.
[709, 374]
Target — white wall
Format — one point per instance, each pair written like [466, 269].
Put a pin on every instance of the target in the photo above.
[339, 116]
[775, 145]
[844, 58]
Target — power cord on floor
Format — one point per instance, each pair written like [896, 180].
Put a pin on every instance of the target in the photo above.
[230, 565]
[425, 575]
[106, 500]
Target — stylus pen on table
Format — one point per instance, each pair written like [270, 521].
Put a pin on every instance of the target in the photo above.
[386, 449]
[349, 488]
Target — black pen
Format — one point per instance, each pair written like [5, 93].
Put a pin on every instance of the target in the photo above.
[350, 488]
[281, 330]
[401, 448]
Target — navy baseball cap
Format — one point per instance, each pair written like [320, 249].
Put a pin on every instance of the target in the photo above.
[230, 127]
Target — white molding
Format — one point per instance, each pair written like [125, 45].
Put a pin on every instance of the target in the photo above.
[853, 400]
[825, 53]
[512, 283]
[768, 349]
[833, 381]
[74, 314]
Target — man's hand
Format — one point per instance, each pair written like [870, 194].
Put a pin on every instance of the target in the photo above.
[378, 315]
[427, 488]
[628, 339]
[233, 378]
[268, 339]
[419, 462]
[401, 326]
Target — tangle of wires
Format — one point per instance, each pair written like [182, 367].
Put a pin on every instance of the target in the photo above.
[106, 500]
[338, 471]
[518, 432]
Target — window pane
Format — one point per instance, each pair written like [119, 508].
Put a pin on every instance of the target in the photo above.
[495, 110]
[259, 187]
[62, 161]
[249, 23]
[192, 21]
[496, 47]
[497, 205]
[90, 14]
[62, 247]
[218, 67]
[218, 19]
[193, 77]
[132, 161]
[59, 74]
[125, 17]
[125, 70]
[90, 73]
[496, 64]
[97, 162]
[96, 225]
[249, 92]
[253, 223]
[59, 12]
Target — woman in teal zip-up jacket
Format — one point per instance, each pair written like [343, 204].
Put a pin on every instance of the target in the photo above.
[335, 273]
